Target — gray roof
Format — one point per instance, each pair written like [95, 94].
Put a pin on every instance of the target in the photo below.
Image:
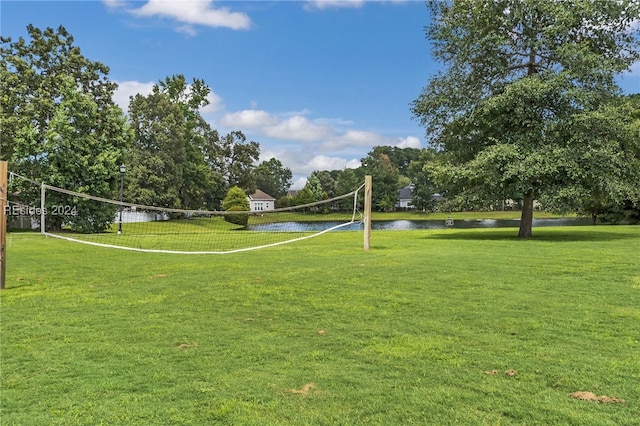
[261, 196]
[405, 193]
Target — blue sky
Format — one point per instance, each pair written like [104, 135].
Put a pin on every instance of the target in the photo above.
[317, 83]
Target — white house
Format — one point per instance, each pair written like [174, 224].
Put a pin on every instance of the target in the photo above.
[261, 201]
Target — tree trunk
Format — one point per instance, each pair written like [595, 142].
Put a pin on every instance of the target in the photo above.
[526, 219]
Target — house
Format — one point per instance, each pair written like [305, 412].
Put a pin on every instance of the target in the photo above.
[261, 201]
[404, 198]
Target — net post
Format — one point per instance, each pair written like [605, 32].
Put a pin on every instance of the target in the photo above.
[42, 210]
[367, 212]
[3, 222]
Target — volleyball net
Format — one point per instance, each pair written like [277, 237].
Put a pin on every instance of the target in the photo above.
[83, 218]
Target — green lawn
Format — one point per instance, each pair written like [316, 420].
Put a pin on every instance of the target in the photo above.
[420, 330]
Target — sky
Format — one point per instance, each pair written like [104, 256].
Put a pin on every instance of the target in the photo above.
[317, 84]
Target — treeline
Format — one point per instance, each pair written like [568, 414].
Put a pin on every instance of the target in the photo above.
[62, 127]
[391, 169]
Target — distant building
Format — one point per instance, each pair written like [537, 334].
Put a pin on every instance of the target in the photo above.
[404, 198]
[261, 201]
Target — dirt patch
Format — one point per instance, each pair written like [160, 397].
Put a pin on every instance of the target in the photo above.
[508, 373]
[322, 332]
[305, 390]
[187, 345]
[590, 396]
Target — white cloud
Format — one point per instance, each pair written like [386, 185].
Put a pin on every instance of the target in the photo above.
[324, 135]
[216, 103]
[303, 111]
[303, 162]
[302, 169]
[114, 4]
[362, 138]
[248, 118]
[323, 162]
[299, 183]
[325, 4]
[127, 89]
[294, 128]
[409, 142]
[302, 165]
[298, 128]
[188, 13]
[187, 29]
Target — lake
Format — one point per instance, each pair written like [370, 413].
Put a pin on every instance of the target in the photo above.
[404, 225]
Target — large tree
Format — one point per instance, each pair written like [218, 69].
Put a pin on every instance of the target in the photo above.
[424, 188]
[168, 161]
[273, 178]
[386, 180]
[237, 161]
[59, 123]
[156, 162]
[523, 101]
[619, 121]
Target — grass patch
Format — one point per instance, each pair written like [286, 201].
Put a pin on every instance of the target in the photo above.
[429, 327]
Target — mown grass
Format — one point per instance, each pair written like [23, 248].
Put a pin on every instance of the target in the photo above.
[420, 330]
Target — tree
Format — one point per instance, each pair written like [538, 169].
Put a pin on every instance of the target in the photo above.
[304, 196]
[237, 160]
[327, 181]
[315, 188]
[273, 178]
[424, 188]
[59, 123]
[401, 158]
[522, 80]
[155, 169]
[236, 200]
[384, 178]
[349, 180]
[613, 126]
[168, 165]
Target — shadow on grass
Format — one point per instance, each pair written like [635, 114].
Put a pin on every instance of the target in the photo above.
[569, 234]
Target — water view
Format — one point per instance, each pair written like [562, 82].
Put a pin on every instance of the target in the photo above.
[403, 225]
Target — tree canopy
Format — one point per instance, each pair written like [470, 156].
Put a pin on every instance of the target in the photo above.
[168, 160]
[59, 123]
[525, 104]
[273, 178]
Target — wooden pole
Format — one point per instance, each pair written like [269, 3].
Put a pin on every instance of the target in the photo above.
[3, 222]
[367, 212]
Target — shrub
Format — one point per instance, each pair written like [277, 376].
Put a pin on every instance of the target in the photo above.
[236, 201]
[237, 219]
